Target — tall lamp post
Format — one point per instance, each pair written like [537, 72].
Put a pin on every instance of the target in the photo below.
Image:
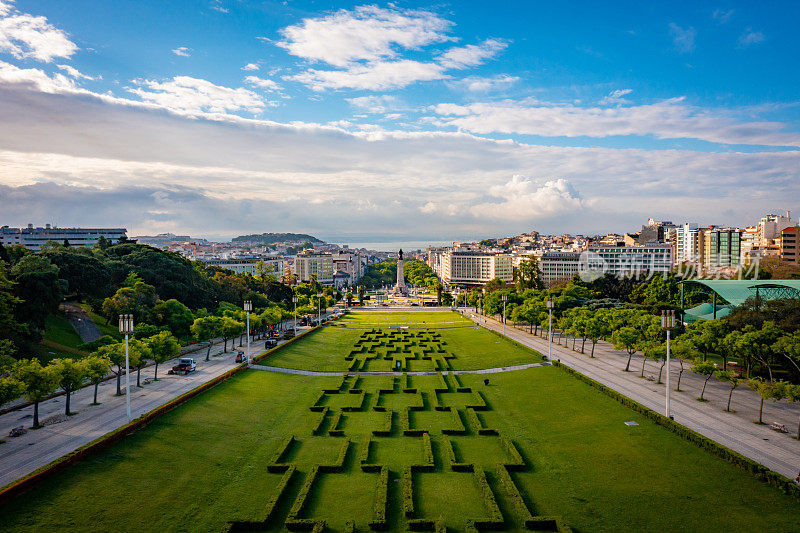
[505, 299]
[550, 305]
[319, 308]
[294, 299]
[248, 306]
[126, 328]
[668, 323]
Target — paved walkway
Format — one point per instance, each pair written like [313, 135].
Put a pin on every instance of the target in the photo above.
[82, 322]
[295, 371]
[779, 452]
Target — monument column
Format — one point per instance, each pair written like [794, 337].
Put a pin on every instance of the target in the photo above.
[400, 288]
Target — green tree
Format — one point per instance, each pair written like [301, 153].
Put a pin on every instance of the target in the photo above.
[658, 353]
[627, 339]
[789, 347]
[733, 380]
[703, 368]
[596, 329]
[97, 369]
[71, 374]
[11, 328]
[40, 382]
[37, 284]
[528, 275]
[174, 315]
[707, 336]
[684, 351]
[792, 394]
[10, 389]
[139, 300]
[116, 354]
[205, 329]
[163, 347]
[145, 354]
[767, 390]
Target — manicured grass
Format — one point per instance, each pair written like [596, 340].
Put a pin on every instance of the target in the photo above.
[204, 463]
[57, 328]
[474, 347]
[413, 318]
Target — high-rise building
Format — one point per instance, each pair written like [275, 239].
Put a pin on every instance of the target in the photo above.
[771, 226]
[348, 267]
[722, 248]
[558, 266]
[790, 244]
[655, 232]
[249, 265]
[628, 260]
[33, 238]
[319, 265]
[688, 245]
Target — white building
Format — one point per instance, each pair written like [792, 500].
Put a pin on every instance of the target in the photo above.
[350, 263]
[319, 265]
[688, 246]
[33, 238]
[248, 265]
[474, 268]
[558, 266]
[771, 226]
[627, 260]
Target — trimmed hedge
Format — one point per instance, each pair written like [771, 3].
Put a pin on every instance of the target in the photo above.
[408, 493]
[478, 402]
[261, 521]
[293, 520]
[360, 407]
[338, 466]
[317, 406]
[455, 465]
[386, 428]
[495, 518]
[334, 430]
[516, 463]
[457, 427]
[275, 464]
[378, 522]
[476, 422]
[760, 471]
[318, 428]
[443, 385]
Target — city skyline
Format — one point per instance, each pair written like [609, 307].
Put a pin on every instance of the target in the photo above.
[395, 122]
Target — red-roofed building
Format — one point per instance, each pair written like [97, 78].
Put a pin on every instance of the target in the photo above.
[790, 244]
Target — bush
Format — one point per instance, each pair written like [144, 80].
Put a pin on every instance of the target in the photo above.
[318, 428]
[457, 427]
[275, 464]
[516, 463]
[408, 493]
[495, 519]
[381, 496]
[94, 345]
[386, 428]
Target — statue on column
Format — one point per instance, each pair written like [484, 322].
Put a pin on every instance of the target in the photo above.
[400, 288]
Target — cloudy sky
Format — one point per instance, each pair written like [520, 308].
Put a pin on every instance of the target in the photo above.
[401, 121]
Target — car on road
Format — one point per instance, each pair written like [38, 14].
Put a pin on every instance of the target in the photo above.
[240, 358]
[184, 366]
[270, 343]
[288, 334]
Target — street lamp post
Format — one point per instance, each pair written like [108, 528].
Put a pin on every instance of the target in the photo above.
[294, 299]
[248, 306]
[505, 299]
[319, 308]
[126, 328]
[668, 323]
[550, 305]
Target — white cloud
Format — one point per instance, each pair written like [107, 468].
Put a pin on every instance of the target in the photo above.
[482, 84]
[216, 5]
[56, 84]
[269, 85]
[683, 38]
[522, 198]
[374, 104]
[616, 97]
[751, 37]
[75, 73]
[722, 16]
[366, 33]
[378, 75]
[251, 66]
[184, 94]
[182, 51]
[471, 55]
[27, 36]
[669, 119]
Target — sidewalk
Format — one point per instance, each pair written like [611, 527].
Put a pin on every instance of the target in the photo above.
[777, 451]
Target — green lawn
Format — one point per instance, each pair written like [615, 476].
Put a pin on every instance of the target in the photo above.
[57, 328]
[473, 347]
[205, 463]
[412, 318]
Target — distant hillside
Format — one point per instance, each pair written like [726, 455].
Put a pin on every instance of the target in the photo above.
[272, 238]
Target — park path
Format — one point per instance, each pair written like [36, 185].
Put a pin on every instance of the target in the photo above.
[81, 322]
[777, 451]
[298, 372]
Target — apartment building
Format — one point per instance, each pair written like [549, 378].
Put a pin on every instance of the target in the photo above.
[558, 266]
[790, 244]
[722, 248]
[474, 268]
[33, 238]
[688, 245]
[248, 265]
[627, 260]
[319, 265]
[348, 267]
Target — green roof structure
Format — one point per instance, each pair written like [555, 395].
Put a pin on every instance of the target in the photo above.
[736, 292]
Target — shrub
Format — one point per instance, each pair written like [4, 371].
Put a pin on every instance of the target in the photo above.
[318, 402]
[516, 463]
[386, 428]
[318, 428]
[457, 427]
[495, 518]
[408, 493]
[275, 464]
[381, 496]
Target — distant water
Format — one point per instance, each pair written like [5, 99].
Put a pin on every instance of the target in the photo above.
[394, 246]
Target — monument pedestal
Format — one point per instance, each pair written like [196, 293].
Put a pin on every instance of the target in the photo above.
[400, 288]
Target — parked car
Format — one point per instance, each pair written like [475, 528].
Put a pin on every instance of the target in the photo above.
[184, 366]
[288, 334]
[270, 343]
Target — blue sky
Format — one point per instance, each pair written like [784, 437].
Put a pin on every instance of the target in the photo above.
[398, 121]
